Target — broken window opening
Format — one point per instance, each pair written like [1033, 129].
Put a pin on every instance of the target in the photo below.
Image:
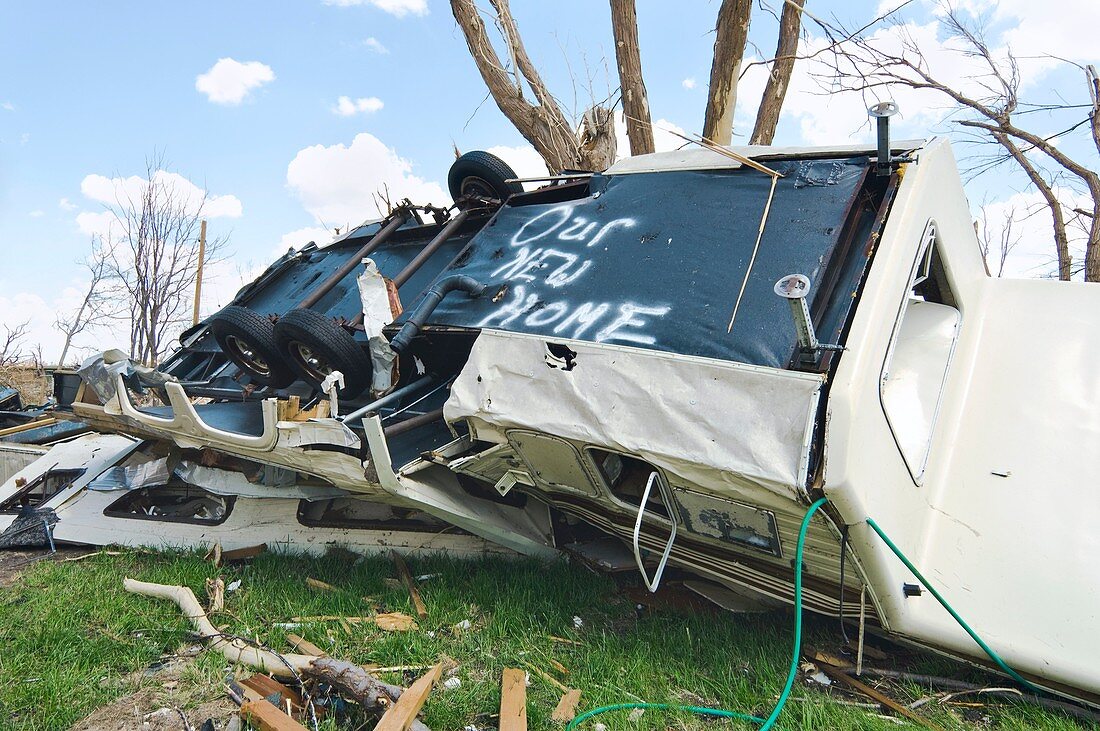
[173, 504]
[626, 478]
[351, 512]
[915, 370]
[40, 490]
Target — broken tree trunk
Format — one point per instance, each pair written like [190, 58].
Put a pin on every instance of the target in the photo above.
[730, 35]
[355, 682]
[543, 123]
[234, 650]
[624, 25]
[771, 103]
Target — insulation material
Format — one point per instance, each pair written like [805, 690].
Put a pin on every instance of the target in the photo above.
[101, 373]
[147, 474]
[227, 482]
[380, 308]
[710, 424]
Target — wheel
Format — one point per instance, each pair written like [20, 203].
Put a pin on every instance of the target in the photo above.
[248, 339]
[482, 174]
[315, 346]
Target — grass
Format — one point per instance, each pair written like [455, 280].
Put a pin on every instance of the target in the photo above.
[69, 635]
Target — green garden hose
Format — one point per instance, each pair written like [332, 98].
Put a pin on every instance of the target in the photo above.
[792, 673]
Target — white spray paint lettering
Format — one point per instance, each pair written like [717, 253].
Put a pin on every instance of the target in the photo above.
[622, 321]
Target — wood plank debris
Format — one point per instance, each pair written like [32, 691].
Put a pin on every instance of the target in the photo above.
[215, 590]
[304, 646]
[395, 622]
[400, 716]
[243, 554]
[513, 700]
[840, 676]
[410, 584]
[266, 717]
[318, 585]
[548, 678]
[566, 709]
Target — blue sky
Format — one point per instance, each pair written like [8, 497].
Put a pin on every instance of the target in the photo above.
[88, 91]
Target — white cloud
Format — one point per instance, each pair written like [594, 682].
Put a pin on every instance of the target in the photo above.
[523, 159]
[337, 183]
[347, 107]
[298, 238]
[396, 8]
[375, 45]
[37, 213]
[66, 205]
[688, 83]
[24, 138]
[8, 106]
[663, 139]
[229, 81]
[39, 310]
[121, 191]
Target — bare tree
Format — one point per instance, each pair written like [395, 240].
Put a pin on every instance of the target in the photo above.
[997, 241]
[11, 344]
[151, 255]
[990, 107]
[779, 76]
[96, 308]
[542, 122]
[624, 26]
[731, 33]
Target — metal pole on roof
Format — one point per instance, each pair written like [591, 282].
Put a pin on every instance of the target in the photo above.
[198, 274]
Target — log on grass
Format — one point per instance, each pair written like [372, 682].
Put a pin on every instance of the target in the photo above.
[234, 650]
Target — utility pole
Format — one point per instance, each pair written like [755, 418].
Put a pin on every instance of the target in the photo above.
[198, 275]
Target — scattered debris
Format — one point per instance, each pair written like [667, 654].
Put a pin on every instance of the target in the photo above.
[319, 585]
[410, 584]
[243, 554]
[264, 716]
[215, 590]
[513, 700]
[566, 709]
[304, 646]
[402, 714]
[452, 682]
[840, 676]
[395, 622]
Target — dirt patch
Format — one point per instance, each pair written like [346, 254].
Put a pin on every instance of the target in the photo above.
[164, 700]
[15, 561]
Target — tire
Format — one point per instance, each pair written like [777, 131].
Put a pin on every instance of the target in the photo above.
[314, 346]
[248, 339]
[482, 174]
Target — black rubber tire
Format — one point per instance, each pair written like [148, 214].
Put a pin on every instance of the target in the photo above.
[248, 339]
[331, 345]
[483, 174]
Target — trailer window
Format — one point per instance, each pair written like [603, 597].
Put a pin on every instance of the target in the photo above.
[40, 490]
[915, 369]
[173, 504]
[626, 478]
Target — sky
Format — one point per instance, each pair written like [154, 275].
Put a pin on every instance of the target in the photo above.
[290, 116]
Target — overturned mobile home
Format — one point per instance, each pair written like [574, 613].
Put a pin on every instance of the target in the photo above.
[683, 353]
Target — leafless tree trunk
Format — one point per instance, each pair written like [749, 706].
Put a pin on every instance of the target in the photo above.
[771, 103]
[624, 26]
[96, 308]
[542, 123]
[731, 34]
[1001, 246]
[861, 65]
[11, 344]
[152, 257]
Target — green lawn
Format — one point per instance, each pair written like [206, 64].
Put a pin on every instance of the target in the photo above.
[69, 634]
